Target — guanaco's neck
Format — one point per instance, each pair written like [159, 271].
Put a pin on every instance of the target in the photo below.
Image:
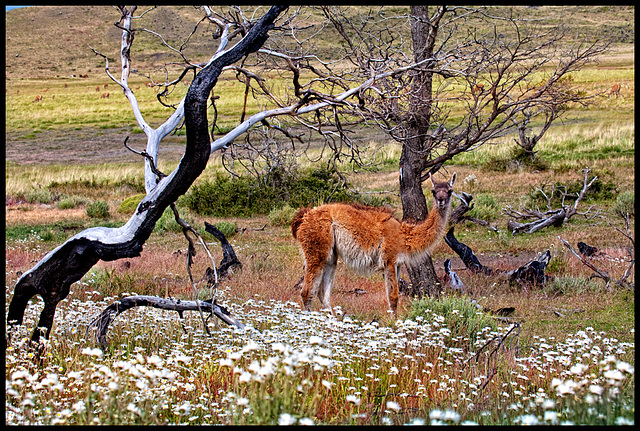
[425, 235]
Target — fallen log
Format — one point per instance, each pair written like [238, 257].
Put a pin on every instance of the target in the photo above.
[530, 274]
[100, 325]
[229, 258]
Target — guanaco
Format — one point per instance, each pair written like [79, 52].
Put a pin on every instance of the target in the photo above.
[366, 239]
[477, 89]
[105, 95]
[38, 98]
[615, 90]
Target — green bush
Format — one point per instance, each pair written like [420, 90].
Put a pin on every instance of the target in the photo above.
[129, 205]
[98, 209]
[227, 228]
[485, 208]
[518, 158]
[281, 216]
[39, 196]
[167, 223]
[625, 204]
[461, 316]
[247, 196]
[70, 202]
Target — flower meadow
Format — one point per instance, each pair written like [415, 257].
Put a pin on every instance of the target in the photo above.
[293, 367]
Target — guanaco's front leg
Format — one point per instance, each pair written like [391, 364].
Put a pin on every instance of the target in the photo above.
[391, 284]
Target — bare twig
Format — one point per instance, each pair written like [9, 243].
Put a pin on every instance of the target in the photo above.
[598, 272]
[551, 217]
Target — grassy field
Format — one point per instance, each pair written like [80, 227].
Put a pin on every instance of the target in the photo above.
[566, 355]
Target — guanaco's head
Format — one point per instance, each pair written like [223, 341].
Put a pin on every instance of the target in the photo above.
[442, 191]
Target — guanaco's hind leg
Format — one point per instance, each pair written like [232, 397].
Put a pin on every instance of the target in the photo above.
[391, 284]
[310, 286]
[328, 275]
[316, 241]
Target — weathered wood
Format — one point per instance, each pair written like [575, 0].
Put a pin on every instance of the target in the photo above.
[100, 325]
[53, 275]
[551, 217]
[229, 258]
[466, 254]
[530, 274]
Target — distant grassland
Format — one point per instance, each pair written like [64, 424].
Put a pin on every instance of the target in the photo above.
[603, 131]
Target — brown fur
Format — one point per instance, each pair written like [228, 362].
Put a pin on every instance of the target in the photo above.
[615, 90]
[366, 239]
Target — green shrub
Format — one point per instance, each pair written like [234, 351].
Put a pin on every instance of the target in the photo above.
[98, 209]
[461, 316]
[247, 196]
[281, 216]
[70, 202]
[517, 158]
[167, 223]
[625, 204]
[39, 196]
[227, 228]
[485, 207]
[129, 205]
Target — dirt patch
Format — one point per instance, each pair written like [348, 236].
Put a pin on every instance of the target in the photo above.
[85, 146]
[37, 214]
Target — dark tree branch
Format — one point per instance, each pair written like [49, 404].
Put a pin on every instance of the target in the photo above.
[100, 325]
[53, 275]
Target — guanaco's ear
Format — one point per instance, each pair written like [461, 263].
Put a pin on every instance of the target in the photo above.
[453, 179]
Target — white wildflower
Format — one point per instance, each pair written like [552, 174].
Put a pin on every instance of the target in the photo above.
[286, 419]
[551, 416]
[305, 421]
[392, 405]
[314, 339]
[226, 362]
[353, 399]
[92, 352]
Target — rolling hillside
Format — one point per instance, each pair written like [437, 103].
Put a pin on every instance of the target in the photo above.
[54, 41]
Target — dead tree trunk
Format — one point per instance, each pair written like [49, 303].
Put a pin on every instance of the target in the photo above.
[551, 217]
[531, 273]
[100, 325]
[53, 275]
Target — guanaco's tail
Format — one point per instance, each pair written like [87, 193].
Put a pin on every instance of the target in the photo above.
[297, 220]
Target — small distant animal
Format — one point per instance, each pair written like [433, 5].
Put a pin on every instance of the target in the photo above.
[38, 98]
[615, 89]
[149, 84]
[477, 89]
[105, 95]
[65, 85]
[97, 88]
[587, 250]
[366, 239]
[106, 85]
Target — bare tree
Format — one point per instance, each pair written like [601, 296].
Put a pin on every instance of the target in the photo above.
[53, 275]
[505, 71]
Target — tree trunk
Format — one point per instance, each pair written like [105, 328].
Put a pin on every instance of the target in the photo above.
[424, 280]
[53, 275]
